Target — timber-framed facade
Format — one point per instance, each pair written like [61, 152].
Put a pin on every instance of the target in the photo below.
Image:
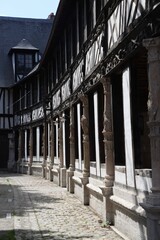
[87, 116]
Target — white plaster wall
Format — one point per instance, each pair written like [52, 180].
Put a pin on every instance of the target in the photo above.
[78, 191]
[130, 225]
[143, 183]
[96, 203]
[120, 177]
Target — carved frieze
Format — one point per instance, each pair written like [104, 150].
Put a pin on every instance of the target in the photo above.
[26, 118]
[78, 76]
[37, 113]
[56, 99]
[65, 91]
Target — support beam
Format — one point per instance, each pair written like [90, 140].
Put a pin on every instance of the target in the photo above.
[70, 172]
[107, 190]
[30, 151]
[86, 146]
[44, 148]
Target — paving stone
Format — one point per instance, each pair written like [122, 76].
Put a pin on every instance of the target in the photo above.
[41, 210]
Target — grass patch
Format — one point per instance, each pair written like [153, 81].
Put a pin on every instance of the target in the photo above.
[10, 235]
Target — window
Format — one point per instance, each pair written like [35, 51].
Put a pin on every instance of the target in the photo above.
[24, 64]
[89, 16]
[69, 41]
[74, 36]
[81, 23]
[98, 8]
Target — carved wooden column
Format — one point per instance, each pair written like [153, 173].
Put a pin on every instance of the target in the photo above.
[11, 157]
[52, 151]
[86, 146]
[30, 151]
[108, 149]
[85, 127]
[70, 172]
[60, 134]
[20, 145]
[19, 149]
[152, 205]
[44, 149]
[108, 133]
[62, 168]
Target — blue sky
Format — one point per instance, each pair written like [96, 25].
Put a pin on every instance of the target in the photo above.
[28, 8]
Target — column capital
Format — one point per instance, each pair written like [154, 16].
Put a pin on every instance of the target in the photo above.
[153, 47]
[84, 99]
[151, 42]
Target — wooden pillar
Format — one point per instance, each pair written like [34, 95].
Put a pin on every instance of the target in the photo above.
[62, 169]
[85, 127]
[86, 146]
[20, 145]
[60, 135]
[44, 149]
[25, 145]
[108, 149]
[30, 151]
[52, 151]
[70, 172]
[19, 149]
[152, 205]
[108, 133]
[38, 143]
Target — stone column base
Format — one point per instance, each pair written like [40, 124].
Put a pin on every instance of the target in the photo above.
[63, 177]
[85, 191]
[152, 208]
[50, 173]
[43, 170]
[18, 166]
[107, 204]
[29, 169]
[70, 182]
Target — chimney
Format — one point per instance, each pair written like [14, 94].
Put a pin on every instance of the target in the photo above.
[51, 16]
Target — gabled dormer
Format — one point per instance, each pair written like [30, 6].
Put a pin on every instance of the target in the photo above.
[24, 57]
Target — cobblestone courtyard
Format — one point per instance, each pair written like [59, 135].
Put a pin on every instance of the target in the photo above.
[32, 208]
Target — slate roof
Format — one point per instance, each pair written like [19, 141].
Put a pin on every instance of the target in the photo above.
[24, 44]
[13, 31]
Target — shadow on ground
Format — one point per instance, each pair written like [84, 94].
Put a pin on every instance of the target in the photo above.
[34, 198]
[36, 235]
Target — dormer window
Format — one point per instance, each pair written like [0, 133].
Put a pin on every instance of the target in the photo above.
[24, 58]
[24, 63]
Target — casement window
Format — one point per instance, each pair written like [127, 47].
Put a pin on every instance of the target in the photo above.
[28, 94]
[34, 91]
[54, 72]
[41, 87]
[69, 41]
[59, 66]
[74, 36]
[24, 64]
[98, 8]
[89, 9]
[62, 47]
[81, 22]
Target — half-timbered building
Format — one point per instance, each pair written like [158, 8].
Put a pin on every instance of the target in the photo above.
[22, 42]
[87, 116]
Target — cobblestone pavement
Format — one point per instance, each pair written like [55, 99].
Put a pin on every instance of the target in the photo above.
[37, 209]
